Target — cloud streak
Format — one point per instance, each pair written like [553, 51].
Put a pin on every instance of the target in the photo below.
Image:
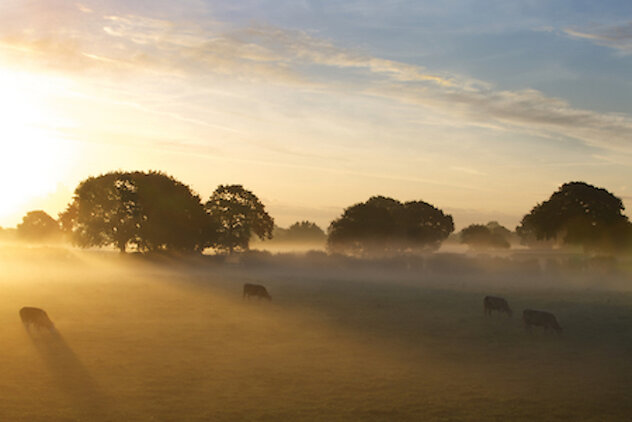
[618, 37]
[271, 55]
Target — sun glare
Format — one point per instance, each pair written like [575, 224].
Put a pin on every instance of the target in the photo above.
[33, 155]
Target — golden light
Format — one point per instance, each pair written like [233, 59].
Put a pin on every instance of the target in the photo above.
[33, 155]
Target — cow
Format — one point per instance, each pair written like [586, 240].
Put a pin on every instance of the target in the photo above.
[540, 319]
[36, 317]
[255, 290]
[493, 303]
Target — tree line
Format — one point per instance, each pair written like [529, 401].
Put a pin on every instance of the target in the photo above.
[152, 212]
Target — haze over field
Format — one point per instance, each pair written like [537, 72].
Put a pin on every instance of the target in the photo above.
[481, 110]
[146, 340]
[283, 210]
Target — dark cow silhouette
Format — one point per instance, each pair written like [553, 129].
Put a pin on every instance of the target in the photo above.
[255, 290]
[35, 317]
[493, 303]
[540, 319]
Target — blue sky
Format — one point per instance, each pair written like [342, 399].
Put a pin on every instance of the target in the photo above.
[482, 108]
[513, 44]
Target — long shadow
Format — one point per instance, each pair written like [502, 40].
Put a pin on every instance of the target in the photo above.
[70, 376]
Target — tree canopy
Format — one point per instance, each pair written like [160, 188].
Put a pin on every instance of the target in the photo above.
[38, 226]
[239, 214]
[384, 224]
[151, 211]
[301, 231]
[492, 235]
[579, 214]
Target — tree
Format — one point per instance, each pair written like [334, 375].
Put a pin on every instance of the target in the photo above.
[239, 214]
[479, 236]
[425, 226]
[305, 231]
[104, 211]
[302, 231]
[384, 224]
[579, 214]
[38, 226]
[172, 216]
[151, 211]
[500, 230]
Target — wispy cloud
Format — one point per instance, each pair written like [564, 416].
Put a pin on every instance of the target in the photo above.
[83, 8]
[271, 55]
[617, 36]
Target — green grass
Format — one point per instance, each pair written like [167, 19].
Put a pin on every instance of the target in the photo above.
[144, 342]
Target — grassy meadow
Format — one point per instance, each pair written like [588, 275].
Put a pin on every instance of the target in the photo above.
[141, 340]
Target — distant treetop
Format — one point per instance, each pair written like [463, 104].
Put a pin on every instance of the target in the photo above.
[579, 214]
[489, 236]
[383, 225]
[239, 214]
[38, 226]
[301, 231]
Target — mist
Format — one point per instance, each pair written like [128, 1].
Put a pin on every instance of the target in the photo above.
[401, 338]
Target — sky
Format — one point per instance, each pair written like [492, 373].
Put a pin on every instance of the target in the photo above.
[481, 108]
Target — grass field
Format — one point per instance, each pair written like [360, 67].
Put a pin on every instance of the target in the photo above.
[141, 341]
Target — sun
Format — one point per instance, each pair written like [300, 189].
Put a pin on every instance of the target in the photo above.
[33, 155]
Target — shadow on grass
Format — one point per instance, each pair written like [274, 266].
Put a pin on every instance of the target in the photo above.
[70, 376]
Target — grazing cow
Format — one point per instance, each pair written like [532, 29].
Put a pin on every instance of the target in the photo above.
[492, 303]
[255, 290]
[36, 317]
[540, 319]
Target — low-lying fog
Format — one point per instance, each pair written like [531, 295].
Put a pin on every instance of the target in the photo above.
[404, 338]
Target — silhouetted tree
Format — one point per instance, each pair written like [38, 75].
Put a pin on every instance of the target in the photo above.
[239, 214]
[301, 231]
[500, 230]
[173, 217]
[479, 236]
[384, 224]
[278, 233]
[104, 211]
[38, 226]
[425, 226]
[579, 214]
[151, 211]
